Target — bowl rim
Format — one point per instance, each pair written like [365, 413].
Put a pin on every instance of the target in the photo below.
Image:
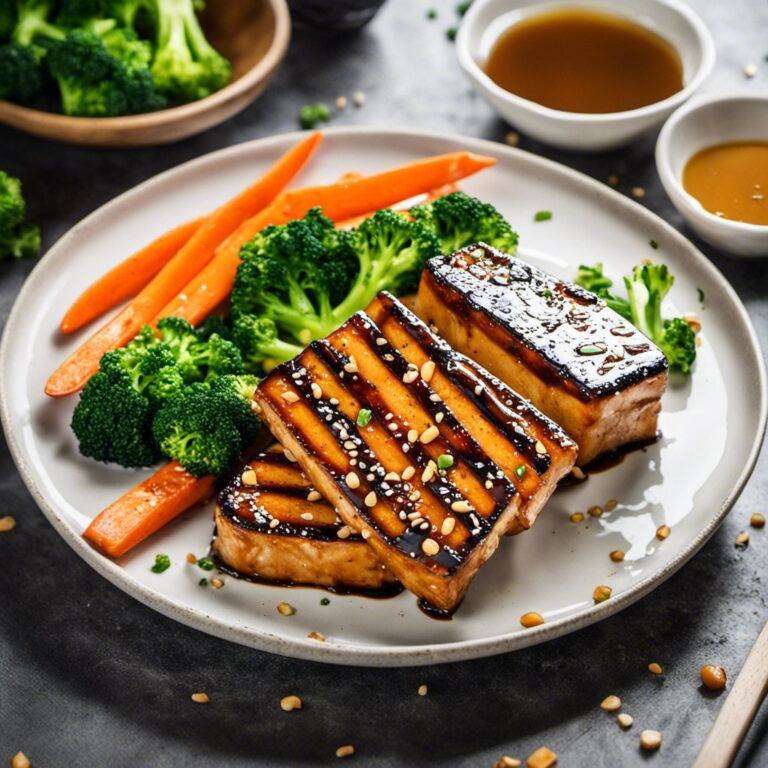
[671, 180]
[702, 35]
[230, 92]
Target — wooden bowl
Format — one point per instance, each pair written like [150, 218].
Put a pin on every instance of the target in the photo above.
[252, 34]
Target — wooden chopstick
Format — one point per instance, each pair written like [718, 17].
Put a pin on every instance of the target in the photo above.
[739, 710]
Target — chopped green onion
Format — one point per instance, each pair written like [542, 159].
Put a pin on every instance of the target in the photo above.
[701, 295]
[463, 7]
[444, 461]
[203, 582]
[162, 563]
[432, 13]
[546, 293]
[450, 33]
[363, 417]
[542, 216]
[653, 245]
[205, 563]
[520, 471]
[325, 601]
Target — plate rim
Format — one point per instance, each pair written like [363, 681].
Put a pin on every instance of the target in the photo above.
[393, 655]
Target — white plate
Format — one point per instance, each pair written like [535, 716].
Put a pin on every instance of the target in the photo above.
[712, 423]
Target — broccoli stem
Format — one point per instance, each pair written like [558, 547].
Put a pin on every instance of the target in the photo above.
[33, 23]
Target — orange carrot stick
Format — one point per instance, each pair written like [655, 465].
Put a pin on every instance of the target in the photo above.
[339, 201]
[127, 278]
[75, 371]
[146, 508]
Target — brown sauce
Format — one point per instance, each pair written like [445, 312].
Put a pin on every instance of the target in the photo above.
[580, 60]
[731, 180]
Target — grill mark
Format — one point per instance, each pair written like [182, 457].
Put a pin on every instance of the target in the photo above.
[448, 361]
[464, 445]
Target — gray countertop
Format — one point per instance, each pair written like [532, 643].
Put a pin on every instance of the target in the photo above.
[88, 676]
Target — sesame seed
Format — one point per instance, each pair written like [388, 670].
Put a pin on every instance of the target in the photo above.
[313, 495]
[650, 740]
[200, 698]
[191, 558]
[435, 398]
[662, 532]
[429, 434]
[341, 102]
[750, 70]
[307, 516]
[317, 391]
[448, 525]
[20, 760]
[352, 480]
[366, 534]
[415, 496]
[611, 703]
[439, 417]
[370, 499]
[531, 619]
[757, 520]
[249, 477]
[412, 436]
[624, 720]
[601, 593]
[345, 751]
[429, 471]
[285, 609]
[408, 472]
[742, 539]
[392, 477]
[381, 341]
[489, 484]
[617, 555]
[315, 635]
[540, 448]
[217, 583]
[344, 532]
[512, 138]
[290, 397]
[638, 192]
[351, 366]
[358, 97]
[410, 376]
[430, 546]
[655, 668]
[543, 757]
[422, 690]
[576, 517]
[461, 506]
[274, 522]
[289, 703]
[428, 370]
[595, 511]
[479, 389]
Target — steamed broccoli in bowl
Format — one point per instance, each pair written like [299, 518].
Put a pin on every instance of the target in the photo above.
[107, 57]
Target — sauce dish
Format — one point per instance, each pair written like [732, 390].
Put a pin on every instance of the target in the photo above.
[487, 20]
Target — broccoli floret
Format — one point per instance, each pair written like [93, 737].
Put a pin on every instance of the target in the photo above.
[391, 252]
[293, 274]
[593, 279]
[459, 220]
[214, 324]
[678, 343]
[20, 77]
[186, 67]
[18, 239]
[259, 343]
[34, 26]
[7, 18]
[104, 73]
[206, 427]
[312, 114]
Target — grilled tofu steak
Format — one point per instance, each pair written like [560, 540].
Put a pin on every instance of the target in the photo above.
[424, 453]
[556, 344]
[271, 525]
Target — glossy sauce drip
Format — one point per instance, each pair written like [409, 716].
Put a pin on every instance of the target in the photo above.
[580, 60]
[731, 180]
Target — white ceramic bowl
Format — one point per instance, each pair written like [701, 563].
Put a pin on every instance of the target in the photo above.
[673, 20]
[701, 124]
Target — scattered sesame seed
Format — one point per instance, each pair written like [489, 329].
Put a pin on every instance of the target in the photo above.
[7, 524]
[290, 397]
[408, 472]
[650, 740]
[285, 609]
[531, 619]
[429, 434]
[217, 583]
[428, 370]
[512, 138]
[662, 532]
[410, 376]
[613, 180]
[576, 517]
[274, 522]
[307, 516]
[601, 593]
[757, 520]
[750, 70]
[344, 532]
[617, 555]
[370, 499]
[351, 365]
[358, 97]
[611, 703]
[345, 751]
[430, 546]
[289, 703]
[540, 448]
[624, 720]
[381, 341]
[742, 540]
[352, 480]
[314, 635]
[448, 525]
[638, 192]
[655, 668]
[366, 534]
[429, 471]
[249, 477]
[341, 102]
[314, 495]
[200, 698]
[461, 506]
[543, 757]
[317, 391]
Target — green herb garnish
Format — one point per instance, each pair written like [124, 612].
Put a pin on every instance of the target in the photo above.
[162, 563]
[546, 293]
[324, 601]
[701, 295]
[206, 563]
[444, 461]
[312, 114]
[432, 13]
[363, 417]
[542, 216]
[463, 7]
[520, 471]
[653, 245]
[203, 582]
[450, 33]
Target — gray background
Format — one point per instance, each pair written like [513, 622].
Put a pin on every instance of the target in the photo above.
[90, 677]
